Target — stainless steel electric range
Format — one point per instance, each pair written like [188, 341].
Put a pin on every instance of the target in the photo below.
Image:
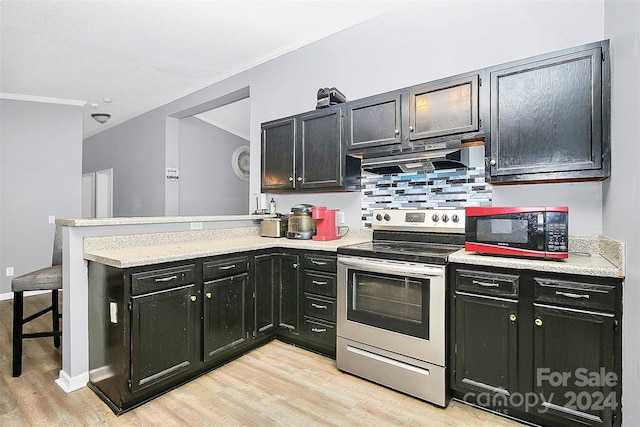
[391, 323]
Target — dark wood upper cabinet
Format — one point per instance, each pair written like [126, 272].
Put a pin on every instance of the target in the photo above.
[442, 108]
[278, 154]
[374, 122]
[307, 153]
[550, 117]
[320, 148]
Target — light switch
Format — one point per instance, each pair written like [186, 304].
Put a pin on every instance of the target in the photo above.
[52, 219]
[113, 312]
[9, 271]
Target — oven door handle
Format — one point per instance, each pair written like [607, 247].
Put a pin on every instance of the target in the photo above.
[391, 268]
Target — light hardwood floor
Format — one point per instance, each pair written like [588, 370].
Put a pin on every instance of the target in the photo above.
[274, 385]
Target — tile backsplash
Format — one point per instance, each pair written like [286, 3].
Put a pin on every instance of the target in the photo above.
[441, 188]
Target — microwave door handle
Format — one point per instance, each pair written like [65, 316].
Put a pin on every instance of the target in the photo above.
[387, 267]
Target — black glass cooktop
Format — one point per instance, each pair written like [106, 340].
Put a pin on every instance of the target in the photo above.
[428, 253]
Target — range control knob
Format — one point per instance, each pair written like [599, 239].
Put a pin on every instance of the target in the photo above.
[435, 218]
[379, 217]
[387, 217]
[455, 218]
[445, 218]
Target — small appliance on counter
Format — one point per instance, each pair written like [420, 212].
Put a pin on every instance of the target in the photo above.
[301, 224]
[274, 227]
[325, 223]
[536, 232]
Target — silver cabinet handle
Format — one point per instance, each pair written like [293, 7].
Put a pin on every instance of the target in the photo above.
[299, 179]
[572, 295]
[410, 128]
[290, 178]
[166, 279]
[318, 330]
[396, 131]
[313, 261]
[486, 284]
[314, 305]
[228, 267]
[317, 282]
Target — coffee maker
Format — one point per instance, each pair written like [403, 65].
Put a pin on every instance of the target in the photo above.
[325, 223]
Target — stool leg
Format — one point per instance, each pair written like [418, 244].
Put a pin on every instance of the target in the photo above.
[56, 317]
[17, 333]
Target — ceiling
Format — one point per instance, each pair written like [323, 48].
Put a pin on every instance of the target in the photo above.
[142, 54]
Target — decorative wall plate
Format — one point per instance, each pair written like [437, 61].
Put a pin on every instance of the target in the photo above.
[240, 162]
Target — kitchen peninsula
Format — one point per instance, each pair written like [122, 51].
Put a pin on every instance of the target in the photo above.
[126, 242]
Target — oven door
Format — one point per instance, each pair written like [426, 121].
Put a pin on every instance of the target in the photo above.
[392, 305]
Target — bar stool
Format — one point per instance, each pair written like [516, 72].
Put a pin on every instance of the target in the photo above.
[45, 279]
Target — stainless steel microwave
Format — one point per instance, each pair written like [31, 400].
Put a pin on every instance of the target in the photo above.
[538, 232]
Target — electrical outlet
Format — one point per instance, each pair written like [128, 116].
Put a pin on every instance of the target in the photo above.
[341, 218]
[9, 271]
[52, 219]
[196, 225]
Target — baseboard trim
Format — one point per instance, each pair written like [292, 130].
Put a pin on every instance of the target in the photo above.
[69, 384]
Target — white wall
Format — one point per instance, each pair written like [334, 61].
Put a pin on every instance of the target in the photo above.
[207, 183]
[621, 198]
[40, 175]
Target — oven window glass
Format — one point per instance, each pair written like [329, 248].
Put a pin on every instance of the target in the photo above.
[503, 230]
[390, 302]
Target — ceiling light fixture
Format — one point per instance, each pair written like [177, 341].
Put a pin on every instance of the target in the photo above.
[101, 117]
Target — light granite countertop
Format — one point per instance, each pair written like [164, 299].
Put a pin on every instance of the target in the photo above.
[137, 220]
[146, 249]
[588, 255]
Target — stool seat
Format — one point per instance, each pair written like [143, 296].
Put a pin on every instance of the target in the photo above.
[45, 279]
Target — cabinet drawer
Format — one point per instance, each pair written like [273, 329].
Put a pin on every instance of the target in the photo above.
[224, 267]
[320, 332]
[320, 307]
[575, 294]
[320, 262]
[165, 278]
[487, 283]
[320, 283]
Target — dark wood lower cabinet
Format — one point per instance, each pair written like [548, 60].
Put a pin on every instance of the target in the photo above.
[156, 327]
[486, 348]
[162, 335]
[549, 354]
[227, 310]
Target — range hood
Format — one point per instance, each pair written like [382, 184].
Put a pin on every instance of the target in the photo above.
[414, 161]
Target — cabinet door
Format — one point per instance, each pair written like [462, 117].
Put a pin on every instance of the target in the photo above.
[374, 122]
[445, 107]
[162, 335]
[264, 294]
[289, 293]
[226, 305]
[486, 340]
[278, 154]
[574, 364]
[547, 118]
[320, 156]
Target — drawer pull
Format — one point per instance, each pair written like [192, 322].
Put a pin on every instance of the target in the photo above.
[572, 295]
[486, 284]
[166, 279]
[313, 261]
[318, 330]
[209, 295]
[317, 282]
[228, 267]
[538, 322]
[513, 317]
[193, 298]
[314, 305]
